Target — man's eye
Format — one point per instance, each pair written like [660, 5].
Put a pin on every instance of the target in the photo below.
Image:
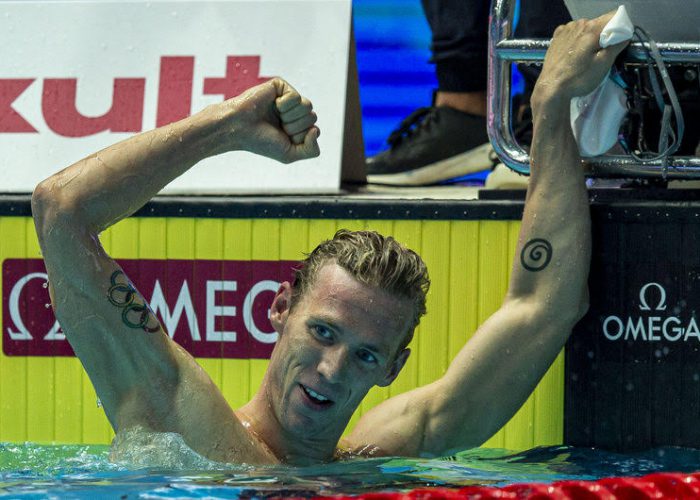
[367, 356]
[323, 332]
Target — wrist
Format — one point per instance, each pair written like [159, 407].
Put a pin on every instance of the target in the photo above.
[549, 103]
[215, 129]
[549, 96]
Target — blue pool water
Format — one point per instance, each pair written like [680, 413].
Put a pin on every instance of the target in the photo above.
[41, 471]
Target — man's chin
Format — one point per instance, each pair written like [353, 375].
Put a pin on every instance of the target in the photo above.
[313, 426]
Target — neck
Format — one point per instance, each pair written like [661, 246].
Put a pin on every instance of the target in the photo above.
[260, 420]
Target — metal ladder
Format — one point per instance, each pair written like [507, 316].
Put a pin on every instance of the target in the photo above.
[504, 50]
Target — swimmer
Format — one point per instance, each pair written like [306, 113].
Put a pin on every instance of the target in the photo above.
[343, 326]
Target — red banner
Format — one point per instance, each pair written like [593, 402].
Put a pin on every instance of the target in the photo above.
[214, 309]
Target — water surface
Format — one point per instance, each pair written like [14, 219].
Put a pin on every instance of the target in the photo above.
[166, 470]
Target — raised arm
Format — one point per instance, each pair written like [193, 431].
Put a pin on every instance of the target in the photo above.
[500, 366]
[271, 119]
[141, 376]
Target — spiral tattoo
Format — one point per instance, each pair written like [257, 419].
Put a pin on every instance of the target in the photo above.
[134, 315]
[536, 254]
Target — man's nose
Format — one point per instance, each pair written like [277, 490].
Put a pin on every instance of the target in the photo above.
[333, 363]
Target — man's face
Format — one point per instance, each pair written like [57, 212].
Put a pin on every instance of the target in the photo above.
[339, 341]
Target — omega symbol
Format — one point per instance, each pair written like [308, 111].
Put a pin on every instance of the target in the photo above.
[661, 306]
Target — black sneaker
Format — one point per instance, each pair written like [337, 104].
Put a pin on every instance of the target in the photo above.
[432, 145]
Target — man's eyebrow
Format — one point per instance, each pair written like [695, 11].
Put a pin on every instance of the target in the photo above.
[328, 320]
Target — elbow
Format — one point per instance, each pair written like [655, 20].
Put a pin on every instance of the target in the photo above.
[43, 205]
[562, 315]
[50, 208]
[570, 314]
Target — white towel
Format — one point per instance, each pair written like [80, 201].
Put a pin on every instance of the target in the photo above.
[596, 117]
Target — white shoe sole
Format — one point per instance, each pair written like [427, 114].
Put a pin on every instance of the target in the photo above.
[504, 178]
[474, 160]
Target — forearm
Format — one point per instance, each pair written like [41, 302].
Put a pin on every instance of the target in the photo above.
[112, 184]
[556, 221]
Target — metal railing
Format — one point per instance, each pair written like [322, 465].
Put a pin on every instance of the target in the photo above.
[504, 51]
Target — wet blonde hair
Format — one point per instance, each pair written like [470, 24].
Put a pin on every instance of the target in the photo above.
[374, 260]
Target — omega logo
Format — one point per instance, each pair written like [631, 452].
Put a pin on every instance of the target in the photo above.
[22, 332]
[651, 328]
[642, 297]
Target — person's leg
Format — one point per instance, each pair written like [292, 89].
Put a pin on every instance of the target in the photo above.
[459, 48]
[448, 139]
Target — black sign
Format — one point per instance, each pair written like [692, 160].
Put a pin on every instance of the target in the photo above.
[633, 363]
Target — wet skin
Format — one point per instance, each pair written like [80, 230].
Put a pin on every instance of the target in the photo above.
[341, 339]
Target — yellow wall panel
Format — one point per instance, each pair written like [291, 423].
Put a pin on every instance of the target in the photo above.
[68, 400]
[352, 225]
[469, 263]
[294, 239]
[13, 370]
[463, 285]
[320, 230]
[549, 405]
[432, 344]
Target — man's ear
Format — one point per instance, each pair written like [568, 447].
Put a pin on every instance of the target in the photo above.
[395, 368]
[279, 310]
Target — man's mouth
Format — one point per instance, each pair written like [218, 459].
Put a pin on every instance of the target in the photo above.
[317, 399]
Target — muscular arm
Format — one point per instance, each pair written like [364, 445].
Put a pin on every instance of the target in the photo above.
[272, 120]
[500, 366]
[141, 376]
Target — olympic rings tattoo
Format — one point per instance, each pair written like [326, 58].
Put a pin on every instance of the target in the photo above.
[122, 295]
[536, 254]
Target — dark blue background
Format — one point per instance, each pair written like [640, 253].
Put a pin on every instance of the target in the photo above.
[393, 39]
